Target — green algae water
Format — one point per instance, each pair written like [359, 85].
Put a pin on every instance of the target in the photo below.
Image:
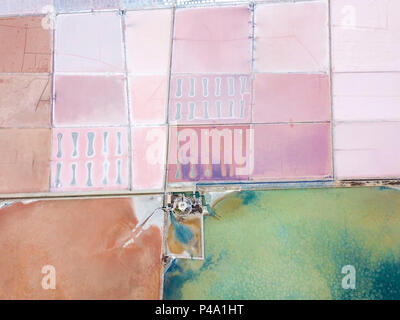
[293, 244]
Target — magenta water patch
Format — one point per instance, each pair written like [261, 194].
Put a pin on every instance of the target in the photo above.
[89, 159]
[365, 35]
[210, 153]
[89, 42]
[90, 100]
[292, 152]
[148, 157]
[197, 99]
[212, 40]
[291, 37]
[291, 98]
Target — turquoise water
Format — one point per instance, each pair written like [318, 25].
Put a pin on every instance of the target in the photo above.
[293, 244]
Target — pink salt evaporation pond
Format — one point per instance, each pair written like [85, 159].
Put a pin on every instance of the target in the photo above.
[299, 46]
[148, 41]
[291, 98]
[149, 98]
[25, 101]
[292, 151]
[366, 96]
[210, 99]
[148, 157]
[367, 150]
[365, 35]
[95, 247]
[210, 153]
[28, 46]
[90, 159]
[90, 100]
[24, 165]
[89, 42]
[212, 40]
